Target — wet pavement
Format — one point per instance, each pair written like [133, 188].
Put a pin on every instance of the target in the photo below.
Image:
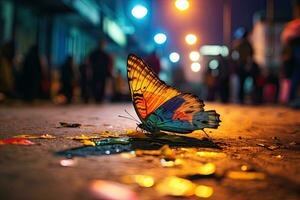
[254, 154]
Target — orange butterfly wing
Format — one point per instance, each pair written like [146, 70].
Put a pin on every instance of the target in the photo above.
[148, 92]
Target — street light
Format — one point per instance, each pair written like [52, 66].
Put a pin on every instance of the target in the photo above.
[194, 56]
[182, 5]
[139, 11]
[160, 38]
[195, 66]
[190, 39]
[174, 57]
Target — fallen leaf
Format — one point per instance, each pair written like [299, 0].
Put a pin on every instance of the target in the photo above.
[88, 143]
[18, 141]
[45, 136]
[69, 125]
[82, 137]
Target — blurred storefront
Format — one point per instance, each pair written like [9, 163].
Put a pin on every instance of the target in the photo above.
[65, 27]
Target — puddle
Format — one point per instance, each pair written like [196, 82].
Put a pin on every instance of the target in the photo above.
[125, 144]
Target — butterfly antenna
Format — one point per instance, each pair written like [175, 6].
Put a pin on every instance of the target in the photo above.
[205, 133]
[128, 118]
[131, 116]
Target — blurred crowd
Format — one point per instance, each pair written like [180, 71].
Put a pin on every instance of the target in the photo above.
[238, 78]
[30, 79]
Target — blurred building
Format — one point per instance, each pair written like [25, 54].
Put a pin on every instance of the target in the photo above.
[63, 27]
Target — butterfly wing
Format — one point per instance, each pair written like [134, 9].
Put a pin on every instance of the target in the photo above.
[183, 113]
[148, 92]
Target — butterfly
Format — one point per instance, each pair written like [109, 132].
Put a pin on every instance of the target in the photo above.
[163, 108]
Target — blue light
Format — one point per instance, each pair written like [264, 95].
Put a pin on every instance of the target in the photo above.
[160, 38]
[139, 11]
[174, 57]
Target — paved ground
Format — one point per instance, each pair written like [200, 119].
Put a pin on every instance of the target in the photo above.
[34, 172]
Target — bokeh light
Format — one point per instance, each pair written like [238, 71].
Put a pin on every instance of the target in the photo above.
[174, 57]
[182, 5]
[160, 38]
[213, 64]
[190, 39]
[195, 66]
[194, 56]
[139, 11]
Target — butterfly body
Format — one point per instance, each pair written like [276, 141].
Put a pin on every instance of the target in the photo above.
[163, 108]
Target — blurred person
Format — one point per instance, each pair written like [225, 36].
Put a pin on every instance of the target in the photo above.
[121, 92]
[223, 79]
[67, 79]
[85, 80]
[32, 74]
[45, 82]
[258, 81]
[234, 82]
[211, 84]
[154, 62]
[178, 77]
[101, 64]
[259, 84]
[7, 52]
[285, 73]
[244, 50]
[290, 39]
[271, 87]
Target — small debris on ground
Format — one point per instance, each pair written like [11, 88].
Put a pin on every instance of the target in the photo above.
[69, 125]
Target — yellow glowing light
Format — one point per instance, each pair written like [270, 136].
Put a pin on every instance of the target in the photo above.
[194, 56]
[182, 5]
[207, 169]
[195, 66]
[190, 39]
[204, 191]
[144, 180]
[141, 180]
[175, 186]
[211, 154]
[246, 175]
[244, 168]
